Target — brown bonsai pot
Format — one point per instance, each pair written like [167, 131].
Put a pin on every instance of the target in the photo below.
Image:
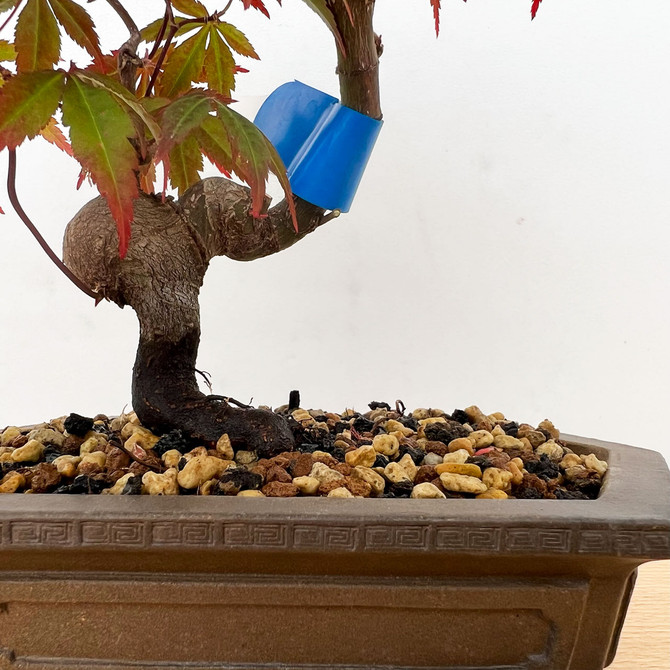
[173, 582]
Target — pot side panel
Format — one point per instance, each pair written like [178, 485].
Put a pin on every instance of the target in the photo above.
[247, 622]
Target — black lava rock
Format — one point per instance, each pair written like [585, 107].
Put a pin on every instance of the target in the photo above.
[381, 461]
[379, 405]
[460, 416]
[417, 455]
[445, 432]
[51, 453]
[409, 422]
[544, 468]
[83, 484]
[172, 440]
[399, 490]
[564, 494]
[528, 493]
[362, 425]
[78, 425]
[133, 487]
[338, 453]
[242, 478]
[510, 428]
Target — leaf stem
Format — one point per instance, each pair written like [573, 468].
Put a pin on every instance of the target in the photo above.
[11, 14]
[13, 198]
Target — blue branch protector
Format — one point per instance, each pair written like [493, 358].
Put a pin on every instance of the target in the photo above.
[325, 146]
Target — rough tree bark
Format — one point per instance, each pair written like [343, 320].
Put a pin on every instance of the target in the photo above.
[170, 248]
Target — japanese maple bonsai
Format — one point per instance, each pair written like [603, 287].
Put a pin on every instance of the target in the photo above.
[162, 98]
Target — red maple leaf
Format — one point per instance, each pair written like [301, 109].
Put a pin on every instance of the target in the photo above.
[436, 13]
[534, 8]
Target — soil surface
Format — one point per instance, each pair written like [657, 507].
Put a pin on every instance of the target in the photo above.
[385, 452]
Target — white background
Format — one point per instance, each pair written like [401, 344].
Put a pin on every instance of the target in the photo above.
[508, 246]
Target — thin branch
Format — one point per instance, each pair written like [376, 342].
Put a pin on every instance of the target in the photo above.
[159, 37]
[168, 40]
[13, 198]
[125, 17]
[128, 60]
[11, 15]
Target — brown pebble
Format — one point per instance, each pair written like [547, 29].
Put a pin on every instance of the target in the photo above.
[343, 468]
[281, 461]
[324, 458]
[260, 470]
[19, 441]
[138, 469]
[276, 473]
[301, 466]
[116, 475]
[435, 447]
[116, 459]
[71, 445]
[45, 478]
[280, 490]
[326, 487]
[358, 487]
[89, 468]
[425, 473]
[498, 459]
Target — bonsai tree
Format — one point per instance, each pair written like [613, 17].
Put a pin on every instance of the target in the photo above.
[162, 100]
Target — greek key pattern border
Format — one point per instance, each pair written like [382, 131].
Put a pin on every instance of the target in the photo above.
[313, 536]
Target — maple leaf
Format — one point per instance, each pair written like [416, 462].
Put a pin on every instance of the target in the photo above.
[78, 24]
[184, 66]
[27, 103]
[252, 157]
[534, 8]
[123, 96]
[436, 14]
[7, 51]
[36, 38]
[236, 39]
[219, 65]
[214, 144]
[190, 8]
[6, 5]
[53, 134]
[180, 118]
[184, 164]
[257, 4]
[99, 132]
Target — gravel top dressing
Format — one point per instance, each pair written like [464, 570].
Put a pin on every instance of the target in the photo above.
[385, 452]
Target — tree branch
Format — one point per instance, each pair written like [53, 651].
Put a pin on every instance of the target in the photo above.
[13, 198]
[128, 60]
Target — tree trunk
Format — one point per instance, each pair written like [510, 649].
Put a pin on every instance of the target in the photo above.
[169, 252]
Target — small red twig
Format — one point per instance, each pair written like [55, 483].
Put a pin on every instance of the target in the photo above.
[13, 198]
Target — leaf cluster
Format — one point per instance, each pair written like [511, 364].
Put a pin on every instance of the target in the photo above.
[175, 112]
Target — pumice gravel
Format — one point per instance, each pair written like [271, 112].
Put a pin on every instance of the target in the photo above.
[382, 453]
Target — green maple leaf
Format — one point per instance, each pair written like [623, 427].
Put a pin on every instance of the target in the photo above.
[99, 132]
[184, 66]
[27, 103]
[190, 8]
[7, 51]
[185, 163]
[253, 156]
[236, 39]
[78, 24]
[219, 65]
[214, 143]
[180, 118]
[37, 38]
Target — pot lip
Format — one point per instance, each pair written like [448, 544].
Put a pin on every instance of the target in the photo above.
[636, 491]
[630, 520]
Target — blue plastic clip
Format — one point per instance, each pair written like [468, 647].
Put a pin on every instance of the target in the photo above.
[325, 146]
